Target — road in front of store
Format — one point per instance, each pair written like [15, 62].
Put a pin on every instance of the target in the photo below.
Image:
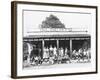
[63, 65]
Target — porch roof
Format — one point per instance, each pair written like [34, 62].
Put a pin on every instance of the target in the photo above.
[58, 36]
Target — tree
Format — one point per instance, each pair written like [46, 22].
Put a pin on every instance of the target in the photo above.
[52, 22]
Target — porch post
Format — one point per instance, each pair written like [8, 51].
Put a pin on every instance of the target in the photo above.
[42, 47]
[70, 47]
[57, 46]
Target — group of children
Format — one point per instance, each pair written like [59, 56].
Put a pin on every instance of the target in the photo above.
[54, 55]
[81, 54]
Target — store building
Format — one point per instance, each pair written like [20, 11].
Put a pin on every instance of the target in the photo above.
[70, 38]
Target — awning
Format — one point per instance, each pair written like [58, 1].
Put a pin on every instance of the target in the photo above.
[58, 36]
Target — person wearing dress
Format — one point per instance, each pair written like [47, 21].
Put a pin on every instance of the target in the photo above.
[55, 51]
[47, 52]
[44, 54]
[51, 50]
[66, 52]
[62, 52]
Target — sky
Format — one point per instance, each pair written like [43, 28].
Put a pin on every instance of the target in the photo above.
[32, 19]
